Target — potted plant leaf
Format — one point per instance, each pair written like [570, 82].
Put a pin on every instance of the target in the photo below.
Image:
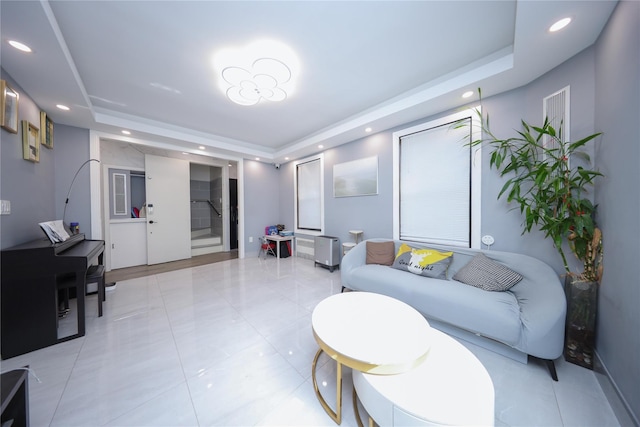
[553, 196]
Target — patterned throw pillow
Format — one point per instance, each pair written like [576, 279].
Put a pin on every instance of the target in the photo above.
[424, 261]
[484, 273]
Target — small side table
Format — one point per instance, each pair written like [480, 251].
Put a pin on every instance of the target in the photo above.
[15, 398]
[347, 246]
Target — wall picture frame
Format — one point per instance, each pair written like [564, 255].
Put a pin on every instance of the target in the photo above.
[9, 107]
[356, 178]
[30, 142]
[46, 130]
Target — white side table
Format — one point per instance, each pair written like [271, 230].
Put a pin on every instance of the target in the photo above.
[347, 246]
[360, 330]
[451, 387]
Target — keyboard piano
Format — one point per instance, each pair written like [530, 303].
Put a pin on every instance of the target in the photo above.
[29, 290]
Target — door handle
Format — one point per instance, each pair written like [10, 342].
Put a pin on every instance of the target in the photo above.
[153, 222]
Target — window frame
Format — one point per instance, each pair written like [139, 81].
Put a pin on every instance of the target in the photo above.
[297, 229]
[475, 163]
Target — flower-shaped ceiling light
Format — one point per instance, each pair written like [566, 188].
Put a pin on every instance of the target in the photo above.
[264, 80]
[260, 71]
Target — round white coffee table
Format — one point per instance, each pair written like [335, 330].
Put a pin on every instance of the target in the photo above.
[451, 387]
[367, 332]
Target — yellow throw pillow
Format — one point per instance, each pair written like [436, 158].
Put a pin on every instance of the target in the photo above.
[423, 261]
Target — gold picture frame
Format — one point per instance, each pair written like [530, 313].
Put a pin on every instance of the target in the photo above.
[46, 130]
[30, 142]
[8, 107]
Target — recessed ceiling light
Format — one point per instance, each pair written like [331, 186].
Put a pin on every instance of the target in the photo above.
[126, 132]
[257, 159]
[230, 165]
[286, 158]
[467, 94]
[20, 46]
[368, 130]
[559, 25]
[185, 153]
[201, 147]
[63, 107]
[320, 146]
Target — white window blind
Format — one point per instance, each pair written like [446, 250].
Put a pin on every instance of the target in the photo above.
[309, 195]
[435, 184]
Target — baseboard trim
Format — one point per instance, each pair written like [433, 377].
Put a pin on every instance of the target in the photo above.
[619, 405]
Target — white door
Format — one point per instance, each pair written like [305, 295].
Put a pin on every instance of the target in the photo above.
[168, 209]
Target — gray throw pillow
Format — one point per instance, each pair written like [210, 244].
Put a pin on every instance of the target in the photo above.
[484, 273]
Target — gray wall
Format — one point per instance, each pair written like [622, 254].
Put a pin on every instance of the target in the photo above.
[29, 187]
[374, 215]
[261, 202]
[71, 150]
[617, 69]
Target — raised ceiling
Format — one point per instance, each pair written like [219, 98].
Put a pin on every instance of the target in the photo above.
[146, 66]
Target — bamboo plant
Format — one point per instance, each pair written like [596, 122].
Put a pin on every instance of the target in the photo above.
[551, 194]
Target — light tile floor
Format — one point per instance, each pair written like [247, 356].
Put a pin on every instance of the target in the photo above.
[230, 344]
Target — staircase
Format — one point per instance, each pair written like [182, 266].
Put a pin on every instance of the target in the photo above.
[203, 242]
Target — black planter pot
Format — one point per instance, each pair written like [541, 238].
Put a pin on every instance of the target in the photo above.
[580, 332]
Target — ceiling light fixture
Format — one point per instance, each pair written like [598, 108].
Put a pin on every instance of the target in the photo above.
[20, 46]
[126, 132]
[263, 70]
[201, 147]
[559, 25]
[320, 146]
[467, 94]
[368, 130]
[63, 107]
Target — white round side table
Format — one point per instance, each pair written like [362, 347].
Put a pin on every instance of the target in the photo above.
[451, 387]
[367, 332]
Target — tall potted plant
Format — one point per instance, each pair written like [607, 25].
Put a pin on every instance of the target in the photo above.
[552, 195]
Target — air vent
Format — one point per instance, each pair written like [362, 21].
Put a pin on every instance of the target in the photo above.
[556, 108]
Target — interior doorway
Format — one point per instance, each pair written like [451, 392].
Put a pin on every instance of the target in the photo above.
[233, 214]
[209, 195]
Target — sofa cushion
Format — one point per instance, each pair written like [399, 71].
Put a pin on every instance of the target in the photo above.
[423, 261]
[382, 253]
[484, 273]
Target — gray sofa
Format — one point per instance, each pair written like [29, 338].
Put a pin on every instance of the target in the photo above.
[528, 319]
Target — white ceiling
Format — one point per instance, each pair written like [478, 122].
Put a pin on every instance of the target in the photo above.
[146, 66]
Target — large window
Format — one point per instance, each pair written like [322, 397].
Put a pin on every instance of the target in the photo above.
[309, 195]
[437, 182]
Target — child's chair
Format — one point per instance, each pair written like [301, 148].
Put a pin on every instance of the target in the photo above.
[266, 247]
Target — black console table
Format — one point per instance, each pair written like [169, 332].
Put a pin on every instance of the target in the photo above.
[15, 398]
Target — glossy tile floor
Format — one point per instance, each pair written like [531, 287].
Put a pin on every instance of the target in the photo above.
[230, 344]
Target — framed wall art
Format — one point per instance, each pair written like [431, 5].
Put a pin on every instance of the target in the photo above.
[30, 142]
[356, 178]
[9, 104]
[46, 130]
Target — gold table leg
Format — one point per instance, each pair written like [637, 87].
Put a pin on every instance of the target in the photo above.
[356, 411]
[337, 414]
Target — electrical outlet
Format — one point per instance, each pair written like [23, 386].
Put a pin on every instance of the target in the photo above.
[488, 240]
[5, 207]
[250, 239]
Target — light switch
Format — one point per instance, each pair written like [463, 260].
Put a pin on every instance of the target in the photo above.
[5, 208]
